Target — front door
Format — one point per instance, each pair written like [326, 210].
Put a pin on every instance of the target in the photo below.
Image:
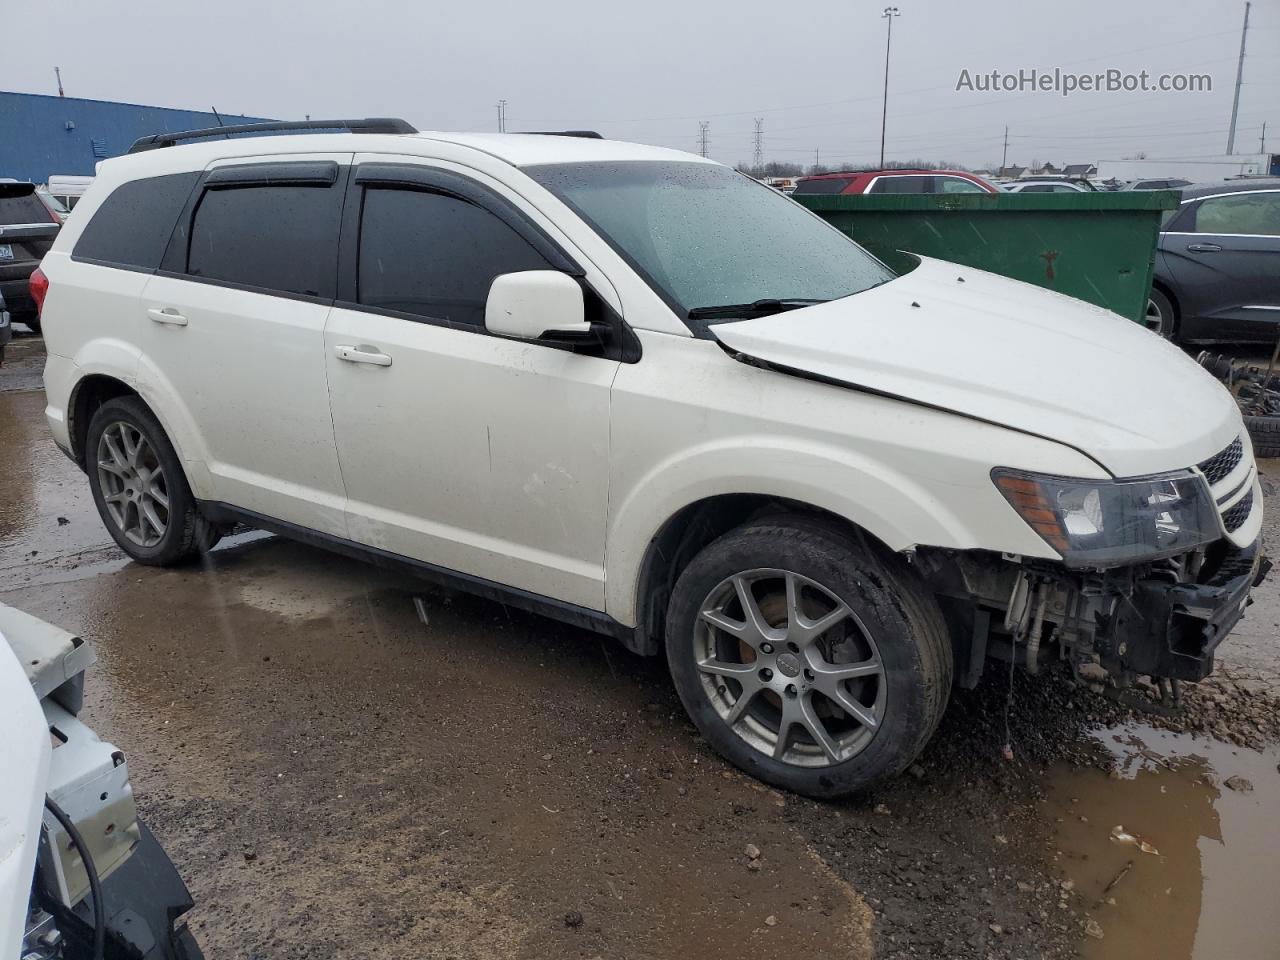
[471, 452]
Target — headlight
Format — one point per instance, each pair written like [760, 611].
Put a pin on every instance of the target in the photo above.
[1101, 523]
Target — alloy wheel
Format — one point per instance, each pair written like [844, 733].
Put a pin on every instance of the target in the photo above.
[789, 667]
[134, 487]
[1154, 317]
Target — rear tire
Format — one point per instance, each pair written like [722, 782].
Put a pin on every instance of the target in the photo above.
[803, 726]
[139, 488]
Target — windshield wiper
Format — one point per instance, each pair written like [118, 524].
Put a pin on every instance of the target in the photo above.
[757, 308]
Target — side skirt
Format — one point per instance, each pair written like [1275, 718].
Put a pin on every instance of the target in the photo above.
[571, 613]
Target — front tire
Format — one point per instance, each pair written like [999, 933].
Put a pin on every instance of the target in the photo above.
[139, 487]
[806, 658]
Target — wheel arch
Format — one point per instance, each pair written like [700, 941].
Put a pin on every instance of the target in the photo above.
[691, 528]
[90, 393]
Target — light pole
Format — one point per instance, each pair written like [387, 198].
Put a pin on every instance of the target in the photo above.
[889, 14]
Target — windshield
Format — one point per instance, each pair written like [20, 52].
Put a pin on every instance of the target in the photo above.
[704, 235]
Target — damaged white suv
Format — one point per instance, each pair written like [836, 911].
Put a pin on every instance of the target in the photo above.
[635, 390]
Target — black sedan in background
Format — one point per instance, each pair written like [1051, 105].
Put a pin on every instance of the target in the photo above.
[1217, 271]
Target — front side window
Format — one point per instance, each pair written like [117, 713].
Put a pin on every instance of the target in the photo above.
[1252, 213]
[277, 238]
[703, 235]
[956, 185]
[901, 185]
[435, 255]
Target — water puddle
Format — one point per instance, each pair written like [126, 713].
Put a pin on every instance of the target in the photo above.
[1211, 888]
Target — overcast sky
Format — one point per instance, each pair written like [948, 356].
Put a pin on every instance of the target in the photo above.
[650, 71]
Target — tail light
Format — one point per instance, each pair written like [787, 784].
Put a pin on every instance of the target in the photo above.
[39, 289]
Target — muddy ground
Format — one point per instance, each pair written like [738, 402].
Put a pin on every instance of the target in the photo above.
[345, 762]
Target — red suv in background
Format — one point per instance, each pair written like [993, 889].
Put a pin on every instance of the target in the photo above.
[895, 181]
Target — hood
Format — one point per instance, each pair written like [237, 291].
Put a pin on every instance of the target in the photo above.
[1010, 353]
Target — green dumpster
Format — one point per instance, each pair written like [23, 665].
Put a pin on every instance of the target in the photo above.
[1099, 247]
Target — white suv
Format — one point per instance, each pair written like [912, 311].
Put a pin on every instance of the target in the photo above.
[637, 391]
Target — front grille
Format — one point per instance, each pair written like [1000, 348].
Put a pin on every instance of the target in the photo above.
[1219, 466]
[1234, 518]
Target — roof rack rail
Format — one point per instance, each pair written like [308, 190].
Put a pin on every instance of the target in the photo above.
[584, 134]
[367, 125]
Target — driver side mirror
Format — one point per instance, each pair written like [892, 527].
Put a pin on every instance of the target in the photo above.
[534, 304]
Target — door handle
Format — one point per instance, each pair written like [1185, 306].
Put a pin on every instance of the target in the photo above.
[361, 353]
[1204, 247]
[167, 315]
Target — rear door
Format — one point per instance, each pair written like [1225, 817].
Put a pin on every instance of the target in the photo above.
[27, 230]
[232, 336]
[1223, 256]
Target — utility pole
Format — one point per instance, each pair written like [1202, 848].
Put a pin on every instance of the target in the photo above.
[1262, 140]
[759, 144]
[815, 159]
[57, 72]
[502, 116]
[703, 127]
[889, 14]
[1235, 101]
[1004, 157]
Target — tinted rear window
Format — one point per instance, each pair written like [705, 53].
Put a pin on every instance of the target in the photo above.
[133, 225]
[834, 185]
[19, 204]
[282, 238]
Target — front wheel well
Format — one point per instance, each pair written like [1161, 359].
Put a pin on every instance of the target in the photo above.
[91, 393]
[685, 534]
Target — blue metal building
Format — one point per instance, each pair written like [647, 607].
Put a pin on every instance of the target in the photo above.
[43, 135]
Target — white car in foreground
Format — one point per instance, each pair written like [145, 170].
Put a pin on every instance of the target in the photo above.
[633, 389]
[81, 877]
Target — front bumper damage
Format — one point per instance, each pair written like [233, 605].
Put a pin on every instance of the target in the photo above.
[1163, 620]
[1171, 630]
[145, 899]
